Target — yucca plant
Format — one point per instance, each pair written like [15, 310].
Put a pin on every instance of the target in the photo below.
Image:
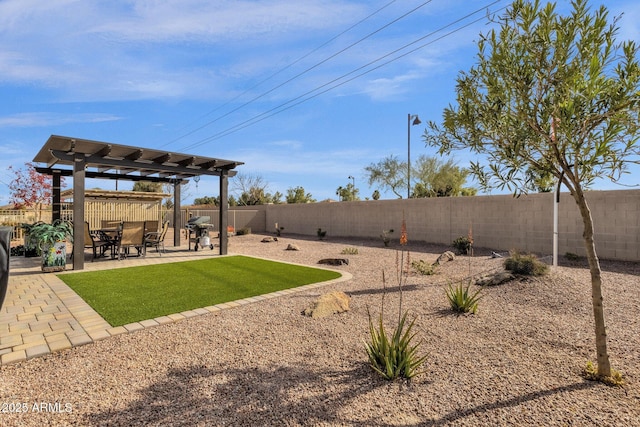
[350, 251]
[462, 300]
[396, 356]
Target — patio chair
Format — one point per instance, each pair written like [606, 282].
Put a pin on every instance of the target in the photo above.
[111, 224]
[152, 226]
[131, 236]
[95, 241]
[157, 239]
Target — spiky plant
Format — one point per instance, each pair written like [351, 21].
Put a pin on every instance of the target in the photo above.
[396, 356]
[462, 300]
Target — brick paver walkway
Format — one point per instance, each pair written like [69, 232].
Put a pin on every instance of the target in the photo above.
[41, 314]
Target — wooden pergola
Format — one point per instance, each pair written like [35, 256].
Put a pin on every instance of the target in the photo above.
[105, 160]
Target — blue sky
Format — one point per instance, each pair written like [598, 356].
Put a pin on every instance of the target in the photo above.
[227, 79]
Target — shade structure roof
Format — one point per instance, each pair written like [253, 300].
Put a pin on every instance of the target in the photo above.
[108, 160]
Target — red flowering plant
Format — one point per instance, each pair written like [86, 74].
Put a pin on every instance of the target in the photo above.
[30, 189]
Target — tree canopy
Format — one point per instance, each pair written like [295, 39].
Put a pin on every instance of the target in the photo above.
[30, 189]
[432, 177]
[252, 190]
[147, 186]
[549, 94]
[207, 200]
[348, 193]
[298, 195]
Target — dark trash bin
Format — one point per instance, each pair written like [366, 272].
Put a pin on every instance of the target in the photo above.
[5, 252]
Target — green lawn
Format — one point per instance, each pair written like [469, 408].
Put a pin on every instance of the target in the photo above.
[126, 295]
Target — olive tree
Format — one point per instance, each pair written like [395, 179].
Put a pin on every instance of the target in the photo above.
[550, 94]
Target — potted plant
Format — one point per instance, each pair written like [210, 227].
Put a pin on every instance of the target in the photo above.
[50, 239]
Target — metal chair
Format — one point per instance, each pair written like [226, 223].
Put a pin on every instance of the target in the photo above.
[96, 241]
[131, 236]
[157, 239]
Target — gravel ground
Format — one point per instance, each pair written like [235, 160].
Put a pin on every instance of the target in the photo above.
[516, 362]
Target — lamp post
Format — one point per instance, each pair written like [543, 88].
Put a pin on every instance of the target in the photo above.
[353, 186]
[416, 121]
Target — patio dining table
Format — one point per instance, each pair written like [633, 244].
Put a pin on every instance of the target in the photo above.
[112, 235]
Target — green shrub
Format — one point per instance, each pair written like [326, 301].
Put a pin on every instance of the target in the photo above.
[590, 372]
[463, 301]
[395, 357]
[17, 250]
[243, 231]
[350, 251]
[571, 256]
[525, 264]
[423, 267]
[462, 245]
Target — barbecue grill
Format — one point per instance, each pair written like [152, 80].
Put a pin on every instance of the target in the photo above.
[199, 226]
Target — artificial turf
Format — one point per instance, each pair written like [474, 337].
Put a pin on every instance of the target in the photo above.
[132, 294]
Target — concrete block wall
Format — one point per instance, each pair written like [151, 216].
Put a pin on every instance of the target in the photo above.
[498, 222]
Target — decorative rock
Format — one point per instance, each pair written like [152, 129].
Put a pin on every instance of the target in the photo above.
[334, 261]
[292, 247]
[445, 257]
[268, 240]
[495, 279]
[328, 304]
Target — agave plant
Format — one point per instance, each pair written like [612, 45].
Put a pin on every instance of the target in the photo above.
[396, 356]
[462, 300]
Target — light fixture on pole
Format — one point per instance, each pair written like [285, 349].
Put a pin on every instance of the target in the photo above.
[416, 121]
[353, 187]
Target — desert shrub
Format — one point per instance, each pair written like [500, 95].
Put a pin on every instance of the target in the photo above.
[396, 356]
[571, 256]
[462, 245]
[321, 233]
[525, 264]
[462, 300]
[242, 231]
[350, 251]
[423, 267]
[17, 250]
[590, 372]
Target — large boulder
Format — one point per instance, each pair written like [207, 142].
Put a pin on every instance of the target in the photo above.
[334, 261]
[445, 257]
[494, 279]
[292, 247]
[328, 304]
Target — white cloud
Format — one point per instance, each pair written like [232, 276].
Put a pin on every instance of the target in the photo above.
[53, 119]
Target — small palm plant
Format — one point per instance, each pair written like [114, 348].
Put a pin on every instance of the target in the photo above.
[462, 300]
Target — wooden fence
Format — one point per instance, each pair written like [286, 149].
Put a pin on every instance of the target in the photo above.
[95, 213]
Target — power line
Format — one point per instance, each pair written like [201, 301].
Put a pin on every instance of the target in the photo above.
[301, 98]
[281, 71]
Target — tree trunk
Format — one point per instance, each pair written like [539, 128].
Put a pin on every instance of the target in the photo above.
[604, 366]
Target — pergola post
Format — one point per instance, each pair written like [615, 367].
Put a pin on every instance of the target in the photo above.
[56, 208]
[176, 214]
[224, 212]
[79, 163]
